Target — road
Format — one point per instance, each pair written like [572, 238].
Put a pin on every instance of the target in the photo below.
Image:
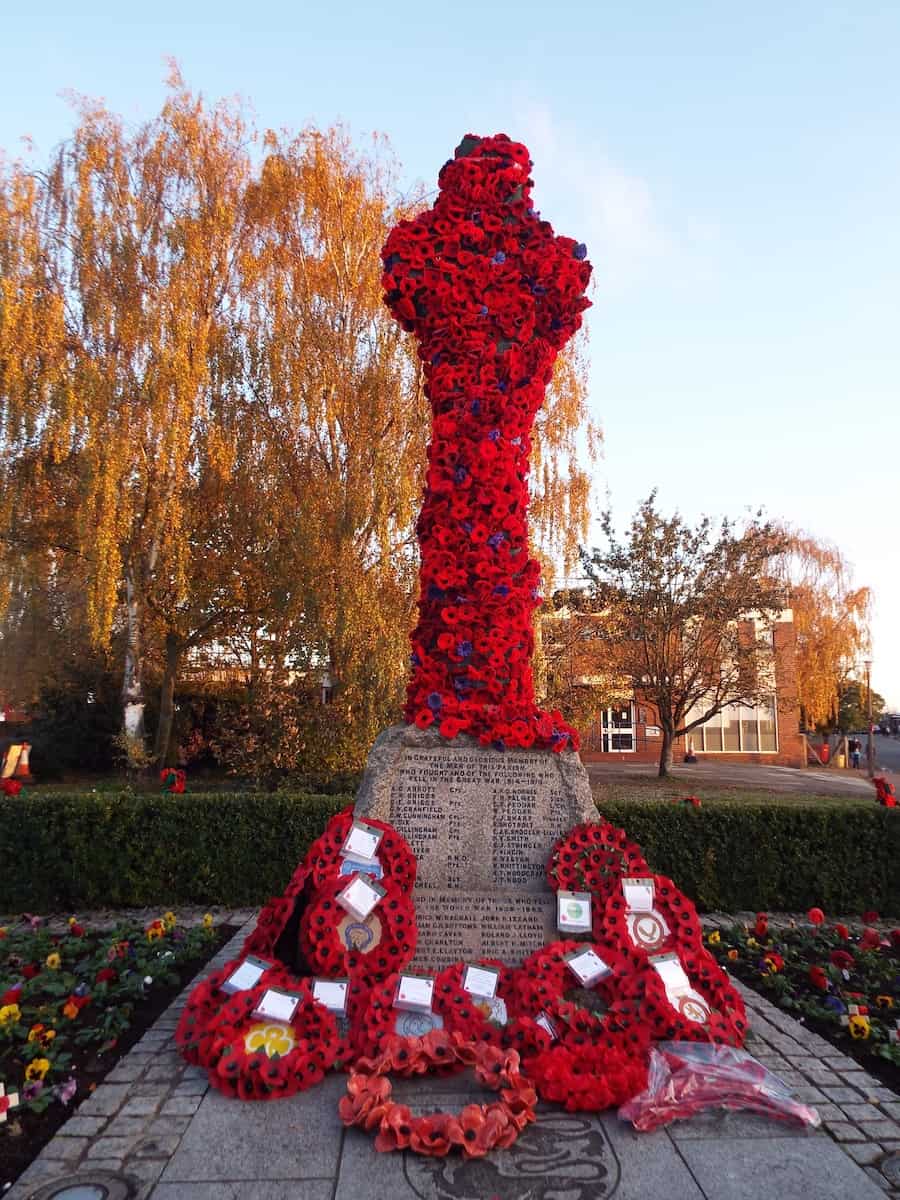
[818, 781]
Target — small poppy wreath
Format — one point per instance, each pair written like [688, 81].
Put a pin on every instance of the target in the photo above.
[467, 1014]
[645, 1000]
[477, 1129]
[359, 949]
[611, 925]
[593, 858]
[541, 984]
[255, 1059]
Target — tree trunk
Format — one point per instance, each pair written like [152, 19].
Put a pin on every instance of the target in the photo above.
[665, 754]
[133, 682]
[167, 701]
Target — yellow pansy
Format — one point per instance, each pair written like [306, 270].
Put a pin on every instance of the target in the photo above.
[714, 938]
[276, 1040]
[9, 1014]
[859, 1026]
[884, 1001]
[37, 1068]
[208, 921]
[170, 920]
[53, 961]
[752, 943]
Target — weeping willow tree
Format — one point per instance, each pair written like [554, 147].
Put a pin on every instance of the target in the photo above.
[831, 617]
[209, 426]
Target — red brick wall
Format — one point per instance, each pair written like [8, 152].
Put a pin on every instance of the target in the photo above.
[790, 746]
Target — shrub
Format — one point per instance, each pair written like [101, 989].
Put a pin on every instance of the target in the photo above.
[735, 856]
[64, 852]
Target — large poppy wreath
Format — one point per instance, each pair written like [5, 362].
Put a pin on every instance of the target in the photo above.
[672, 924]
[335, 943]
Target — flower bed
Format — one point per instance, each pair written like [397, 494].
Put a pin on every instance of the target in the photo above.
[844, 984]
[71, 1004]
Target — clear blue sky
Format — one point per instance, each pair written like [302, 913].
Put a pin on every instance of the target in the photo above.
[734, 171]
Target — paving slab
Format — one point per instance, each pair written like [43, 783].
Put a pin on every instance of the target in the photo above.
[249, 1189]
[296, 1138]
[736, 1169]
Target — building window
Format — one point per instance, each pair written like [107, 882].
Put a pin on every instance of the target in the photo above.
[618, 728]
[739, 729]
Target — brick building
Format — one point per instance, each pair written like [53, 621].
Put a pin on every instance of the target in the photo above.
[626, 728]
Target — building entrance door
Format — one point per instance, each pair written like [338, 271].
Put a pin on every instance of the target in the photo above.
[618, 728]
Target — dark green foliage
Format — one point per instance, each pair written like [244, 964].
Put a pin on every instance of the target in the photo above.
[69, 852]
[76, 719]
[735, 857]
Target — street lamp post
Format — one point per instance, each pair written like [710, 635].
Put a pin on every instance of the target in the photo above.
[870, 749]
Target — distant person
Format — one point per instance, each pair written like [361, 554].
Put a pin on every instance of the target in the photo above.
[855, 748]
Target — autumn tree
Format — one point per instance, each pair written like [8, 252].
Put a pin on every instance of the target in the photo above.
[831, 617]
[685, 611]
[208, 421]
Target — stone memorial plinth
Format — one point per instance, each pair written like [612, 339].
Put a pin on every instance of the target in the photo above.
[481, 823]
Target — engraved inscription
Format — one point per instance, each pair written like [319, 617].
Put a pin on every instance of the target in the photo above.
[481, 823]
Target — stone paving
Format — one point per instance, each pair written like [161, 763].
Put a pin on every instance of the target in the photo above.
[155, 1120]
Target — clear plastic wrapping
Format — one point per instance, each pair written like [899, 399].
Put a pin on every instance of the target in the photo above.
[686, 1078]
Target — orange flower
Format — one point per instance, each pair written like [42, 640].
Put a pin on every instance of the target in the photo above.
[366, 1098]
[474, 1131]
[70, 1010]
[396, 1129]
[431, 1135]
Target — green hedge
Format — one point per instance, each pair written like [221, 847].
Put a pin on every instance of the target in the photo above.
[60, 853]
[844, 858]
[65, 853]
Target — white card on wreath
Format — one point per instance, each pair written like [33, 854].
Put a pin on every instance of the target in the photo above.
[360, 896]
[332, 993]
[672, 973]
[587, 966]
[246, 975]
[362, 841]
[276, 1005]
[414, 993]
[639, 892]
[481, 981]
[573, 911]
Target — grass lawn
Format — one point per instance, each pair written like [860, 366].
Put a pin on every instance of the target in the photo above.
[639, 789]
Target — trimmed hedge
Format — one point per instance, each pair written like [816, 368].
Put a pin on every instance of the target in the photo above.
[64, 853]
[733, 857]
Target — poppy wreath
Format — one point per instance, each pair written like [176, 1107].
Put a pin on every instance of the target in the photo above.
[270, 925]
[644, 999]
[684, 931]
[327, 953]
[541, 983]
[588, 1078]
[255, 1059]
[593, 858]
[467, 1014]
[323, 859]
[492, 296]
[476, 1130]
[193, 1035]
